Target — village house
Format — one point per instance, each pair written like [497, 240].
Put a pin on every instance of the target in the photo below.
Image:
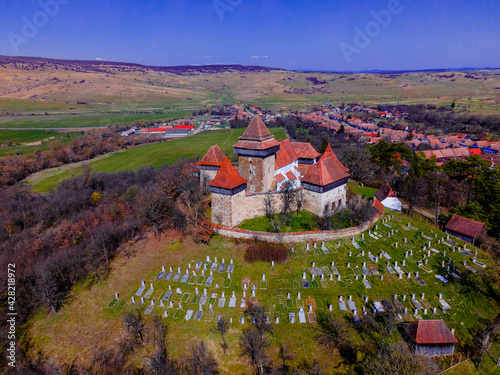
[265, 168]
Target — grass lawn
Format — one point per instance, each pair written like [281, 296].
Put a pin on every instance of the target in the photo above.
[303, 222]
[362, 190]
[87, 120]
[85, 322]
[156, 155]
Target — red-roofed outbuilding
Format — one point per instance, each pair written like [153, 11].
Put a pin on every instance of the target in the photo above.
[430, 338]
[466, 229]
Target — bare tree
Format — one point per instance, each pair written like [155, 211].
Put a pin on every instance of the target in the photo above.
[299, 200]
[222, 328]
[287, 196]
[437, 190]
[133, 321]
[201, 361]
[333, 333]
[482, 340]
[414, 191]
[269, 207]
[159, 332]
[154, 207]
[398, 359]
[254, 346]
[260, 320]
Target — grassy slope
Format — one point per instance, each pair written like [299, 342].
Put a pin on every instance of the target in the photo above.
[157, 155]
[362, 190]
[85, 322]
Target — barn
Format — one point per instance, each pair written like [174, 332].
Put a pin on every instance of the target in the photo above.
[466, 229]
[430, 338]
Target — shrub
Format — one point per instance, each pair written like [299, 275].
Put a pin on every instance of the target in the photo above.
[266, 252]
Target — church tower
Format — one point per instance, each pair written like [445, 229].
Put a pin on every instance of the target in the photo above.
[257, 150]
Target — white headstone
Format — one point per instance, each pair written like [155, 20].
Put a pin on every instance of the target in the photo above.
[143, 282]
[133, 299]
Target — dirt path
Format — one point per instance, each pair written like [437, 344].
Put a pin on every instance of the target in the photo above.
[37, 143]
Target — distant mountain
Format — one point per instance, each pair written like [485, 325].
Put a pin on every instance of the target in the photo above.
[40, 63]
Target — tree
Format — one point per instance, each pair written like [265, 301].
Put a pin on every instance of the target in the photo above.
[287, 196]
[269, 207]
[254, 346]
[397, 359]
[414, 191]
[482, 340]
[133, 321]
[437, 190]
[154, 207]
[201, 361]
[299, 200]
[333, 333]
[257, 314]
[222, 328]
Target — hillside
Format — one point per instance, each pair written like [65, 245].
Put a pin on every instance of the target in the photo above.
[46, 86]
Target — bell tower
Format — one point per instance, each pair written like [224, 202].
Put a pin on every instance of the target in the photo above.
[257, 149]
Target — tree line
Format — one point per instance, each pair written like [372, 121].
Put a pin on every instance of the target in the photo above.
[72, 234]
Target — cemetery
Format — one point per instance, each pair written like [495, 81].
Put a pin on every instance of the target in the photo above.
[406, 267]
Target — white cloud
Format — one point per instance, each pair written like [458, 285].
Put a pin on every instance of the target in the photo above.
[254, 57]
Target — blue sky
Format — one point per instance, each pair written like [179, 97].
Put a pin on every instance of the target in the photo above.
[345, 35]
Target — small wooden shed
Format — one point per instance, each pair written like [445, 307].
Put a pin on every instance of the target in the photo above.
[430, 338]
[466, 229]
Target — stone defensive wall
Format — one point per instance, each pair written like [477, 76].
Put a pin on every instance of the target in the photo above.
[295, 237]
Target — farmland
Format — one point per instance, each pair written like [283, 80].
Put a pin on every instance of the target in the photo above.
[156, 155]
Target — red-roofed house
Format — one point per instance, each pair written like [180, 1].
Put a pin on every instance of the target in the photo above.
[430, 338]
[210, 164]
[466, 229]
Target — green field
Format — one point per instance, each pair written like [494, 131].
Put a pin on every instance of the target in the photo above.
[87, 120]
[156, 155]
[19, 137]
[98, 324]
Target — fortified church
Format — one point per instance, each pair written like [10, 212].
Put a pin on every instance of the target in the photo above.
[265, 168]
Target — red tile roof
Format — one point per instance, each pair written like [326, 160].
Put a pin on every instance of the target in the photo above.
[475, 151]
[328, 152]
[279, 177]
[325, 172]
[251, 145]
[285, 155]
[305, 150]
[427, 332]
[463, 225]
[227, 177]
[383, 192]
[256, 131]
[214, 156]
[291, 176]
